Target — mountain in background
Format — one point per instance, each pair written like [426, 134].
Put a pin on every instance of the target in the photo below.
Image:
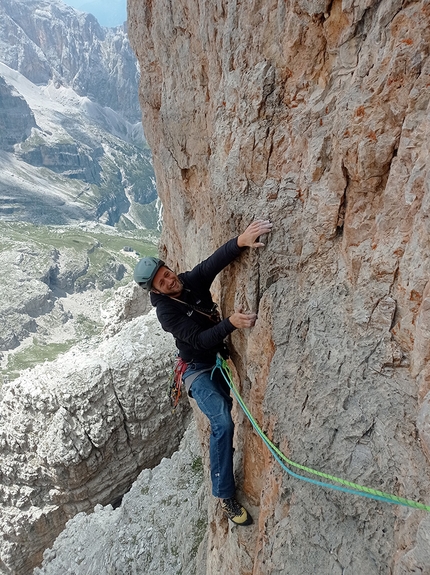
[114, 15]
[71, 140]
[78, 202]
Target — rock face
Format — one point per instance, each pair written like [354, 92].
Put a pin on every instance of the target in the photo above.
[77, 432]
[316, 115]
[67, 159]
[16, 118]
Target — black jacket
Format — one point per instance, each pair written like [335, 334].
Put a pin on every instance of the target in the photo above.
[198, 338]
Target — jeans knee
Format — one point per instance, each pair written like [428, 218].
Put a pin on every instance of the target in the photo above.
[225, 426]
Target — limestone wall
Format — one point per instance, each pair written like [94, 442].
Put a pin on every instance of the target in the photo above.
[314, 114]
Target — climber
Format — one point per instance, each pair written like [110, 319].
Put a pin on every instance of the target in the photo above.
[186, 310]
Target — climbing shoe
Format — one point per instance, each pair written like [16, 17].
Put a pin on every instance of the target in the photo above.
[235, 512]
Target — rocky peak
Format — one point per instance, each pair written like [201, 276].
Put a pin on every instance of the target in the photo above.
[76, 432]
[78, 141]
[47, 41]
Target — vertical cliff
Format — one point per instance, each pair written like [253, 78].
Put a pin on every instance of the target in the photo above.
[316, 115]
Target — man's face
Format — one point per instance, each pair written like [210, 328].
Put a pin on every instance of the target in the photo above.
[167, 282]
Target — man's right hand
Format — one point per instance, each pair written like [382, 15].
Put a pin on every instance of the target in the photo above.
[240, 320]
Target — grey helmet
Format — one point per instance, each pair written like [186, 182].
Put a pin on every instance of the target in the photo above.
[145, 271]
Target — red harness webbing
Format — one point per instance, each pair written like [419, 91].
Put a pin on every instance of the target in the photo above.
[176, 382]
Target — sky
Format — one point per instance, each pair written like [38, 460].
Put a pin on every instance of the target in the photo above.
[107, 12]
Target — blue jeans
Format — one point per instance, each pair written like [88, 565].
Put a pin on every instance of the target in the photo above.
[213, 398]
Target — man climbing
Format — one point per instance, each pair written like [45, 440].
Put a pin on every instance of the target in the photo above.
[186, 310]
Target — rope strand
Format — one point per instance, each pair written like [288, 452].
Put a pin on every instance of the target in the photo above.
[343, 485]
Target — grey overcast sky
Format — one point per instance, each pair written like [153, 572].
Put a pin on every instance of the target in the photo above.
[107, 12]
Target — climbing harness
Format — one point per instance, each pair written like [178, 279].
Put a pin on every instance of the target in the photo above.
[342, 484]
[177, 379]
[175, 382]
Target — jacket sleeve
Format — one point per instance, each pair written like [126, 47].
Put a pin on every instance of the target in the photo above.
[185, 329]
[204, 273]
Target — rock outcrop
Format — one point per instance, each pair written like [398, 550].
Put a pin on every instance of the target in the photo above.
[16, 117]
[158, 528]
[316, 115]
[76, 433]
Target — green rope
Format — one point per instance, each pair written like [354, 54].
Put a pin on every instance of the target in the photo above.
[343, 485]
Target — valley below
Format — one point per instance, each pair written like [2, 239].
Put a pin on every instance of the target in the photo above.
[55, 280]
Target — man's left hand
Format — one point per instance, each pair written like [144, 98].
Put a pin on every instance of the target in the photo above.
[249, 237]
